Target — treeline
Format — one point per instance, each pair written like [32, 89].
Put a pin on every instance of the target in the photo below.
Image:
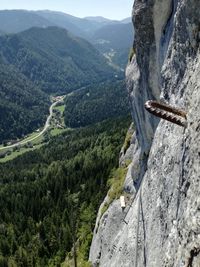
[96, 103]
[49, 197]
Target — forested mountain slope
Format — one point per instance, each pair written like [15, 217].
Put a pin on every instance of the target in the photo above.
[22, 105]
[49, 60]
[96, 103]
[105, 34]
[54, 60]
[50, 197]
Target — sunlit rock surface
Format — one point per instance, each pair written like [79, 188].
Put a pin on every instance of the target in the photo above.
[160, 226]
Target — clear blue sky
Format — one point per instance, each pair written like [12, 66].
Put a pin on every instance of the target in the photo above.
[113, 9]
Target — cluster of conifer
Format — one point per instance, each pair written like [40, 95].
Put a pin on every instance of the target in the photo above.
[50, 197]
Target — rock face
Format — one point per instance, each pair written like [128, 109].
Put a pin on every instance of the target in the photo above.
[160, 226]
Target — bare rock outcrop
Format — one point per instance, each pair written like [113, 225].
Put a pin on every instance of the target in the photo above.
[161, 226]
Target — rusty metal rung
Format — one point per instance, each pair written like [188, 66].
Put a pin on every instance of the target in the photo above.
[167, 112]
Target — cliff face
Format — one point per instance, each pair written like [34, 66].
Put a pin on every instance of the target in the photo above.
[161, 223]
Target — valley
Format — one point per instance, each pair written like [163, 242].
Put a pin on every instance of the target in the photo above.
[38, 63]
[89, 177]
[64, 114]
[34, 140]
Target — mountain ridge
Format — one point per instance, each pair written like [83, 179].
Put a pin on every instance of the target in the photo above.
[88, 28]
[45, 18]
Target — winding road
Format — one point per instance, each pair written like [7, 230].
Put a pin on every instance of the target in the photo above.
[46, 126]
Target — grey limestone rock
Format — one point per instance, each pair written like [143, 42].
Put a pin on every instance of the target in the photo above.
[161, 227]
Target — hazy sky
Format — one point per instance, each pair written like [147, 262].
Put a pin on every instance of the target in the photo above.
[113, 9]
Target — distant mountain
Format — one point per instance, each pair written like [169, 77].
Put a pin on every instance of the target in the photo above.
[126, 20]
[110, 37]
[107, 35]
[54, 60]
[115, 36]
[102, 20]
[115, 41]
[84, 27]
[77, 26]
[14, 21]
[97, 19]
